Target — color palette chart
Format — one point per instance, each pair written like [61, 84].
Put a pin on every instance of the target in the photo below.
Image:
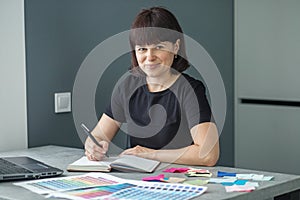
[102, 186]
[72, 183]
[158, 191]
[45, 186]
[96, 192]
[137, 191]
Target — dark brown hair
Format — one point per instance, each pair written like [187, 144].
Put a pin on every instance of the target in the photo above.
[155, 25]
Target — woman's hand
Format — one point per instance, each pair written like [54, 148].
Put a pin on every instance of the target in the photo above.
[93, 151]
[140, 152]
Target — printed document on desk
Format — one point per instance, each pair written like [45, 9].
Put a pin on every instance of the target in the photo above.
[126, 163]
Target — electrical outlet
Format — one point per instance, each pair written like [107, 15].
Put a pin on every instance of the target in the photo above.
[62, 102]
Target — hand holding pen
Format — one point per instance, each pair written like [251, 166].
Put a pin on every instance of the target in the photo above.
[103, 145]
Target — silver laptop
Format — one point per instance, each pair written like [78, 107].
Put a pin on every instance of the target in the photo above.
[17, 168]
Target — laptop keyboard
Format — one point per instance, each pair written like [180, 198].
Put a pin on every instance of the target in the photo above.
[7, 167]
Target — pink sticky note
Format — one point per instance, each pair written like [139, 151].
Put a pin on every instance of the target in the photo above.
[198, 170]
[176, 170]
[239, 188]
[154, 178]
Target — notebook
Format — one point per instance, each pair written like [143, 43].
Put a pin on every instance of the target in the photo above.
[127, 163]
[17, 168]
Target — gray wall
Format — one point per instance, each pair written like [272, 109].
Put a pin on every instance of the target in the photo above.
[60, 34]
[267, 85]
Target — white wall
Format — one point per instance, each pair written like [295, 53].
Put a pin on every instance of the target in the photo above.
[13, 118]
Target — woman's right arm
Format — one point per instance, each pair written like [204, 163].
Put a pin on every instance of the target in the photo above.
[104, 131]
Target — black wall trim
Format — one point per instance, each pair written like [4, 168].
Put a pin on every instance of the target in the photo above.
[270, 102]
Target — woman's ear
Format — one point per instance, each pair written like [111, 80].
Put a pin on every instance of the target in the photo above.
[176, 47]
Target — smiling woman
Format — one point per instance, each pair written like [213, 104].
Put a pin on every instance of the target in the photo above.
[155, 26]
[166, 111]
[155, 61]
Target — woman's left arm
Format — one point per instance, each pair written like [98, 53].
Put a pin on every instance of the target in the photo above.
[204, 151]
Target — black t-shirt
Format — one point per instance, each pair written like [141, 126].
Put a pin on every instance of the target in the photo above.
[162, 119]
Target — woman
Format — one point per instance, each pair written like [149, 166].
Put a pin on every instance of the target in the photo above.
[166, 111]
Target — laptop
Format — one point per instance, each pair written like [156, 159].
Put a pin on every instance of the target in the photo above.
[23, 167]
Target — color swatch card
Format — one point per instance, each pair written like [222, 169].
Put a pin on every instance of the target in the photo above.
[45, 186]
[239, 188]
[94, 186]
[139, 190]
[98, 192]
[158, 191]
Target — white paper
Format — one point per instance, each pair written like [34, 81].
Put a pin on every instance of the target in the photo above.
[222, 180]
[255, 184]
[84, 161]
[254, 177]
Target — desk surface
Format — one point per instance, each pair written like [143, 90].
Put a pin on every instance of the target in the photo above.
[61, 156]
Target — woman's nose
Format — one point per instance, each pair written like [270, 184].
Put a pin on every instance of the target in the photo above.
[151, 54]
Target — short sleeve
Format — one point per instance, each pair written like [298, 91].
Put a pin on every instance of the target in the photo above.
[196, 105]
[115, 108]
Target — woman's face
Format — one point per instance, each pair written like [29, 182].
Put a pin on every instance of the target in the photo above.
[156, 59]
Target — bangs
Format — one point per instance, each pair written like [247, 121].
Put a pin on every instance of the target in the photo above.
[152, 35]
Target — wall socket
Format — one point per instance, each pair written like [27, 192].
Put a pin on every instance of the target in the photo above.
[62, 102]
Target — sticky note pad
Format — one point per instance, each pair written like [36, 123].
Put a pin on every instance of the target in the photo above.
[221, 174]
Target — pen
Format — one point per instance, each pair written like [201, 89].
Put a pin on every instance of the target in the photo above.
[87, 131]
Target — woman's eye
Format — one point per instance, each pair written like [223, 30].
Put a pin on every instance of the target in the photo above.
[141, 49]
